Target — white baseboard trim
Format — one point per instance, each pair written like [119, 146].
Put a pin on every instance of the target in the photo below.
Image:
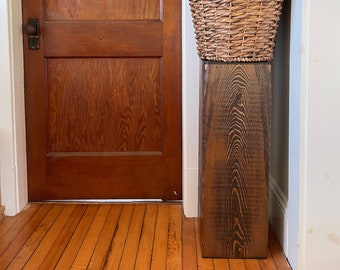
[278, 215]
[190, 192]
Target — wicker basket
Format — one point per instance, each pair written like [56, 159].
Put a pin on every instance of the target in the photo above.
[236, 30]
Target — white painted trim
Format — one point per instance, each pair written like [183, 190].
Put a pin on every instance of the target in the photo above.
[297, 132]
[190, 82]
[12, 124]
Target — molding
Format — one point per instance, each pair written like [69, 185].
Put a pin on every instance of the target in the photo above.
[278, 212]
[278, 193]
[190, 192]
[13, 159]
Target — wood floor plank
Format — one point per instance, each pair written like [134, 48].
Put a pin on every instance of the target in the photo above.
[66, 260]
[221, 264]
[9, 230]
[237, 264]
[7, 222]
[174, 257]
[12, 249]
[252, 264]
[42, 250]
[159, 253]
[118, 243]
[29, 238]
[64, 235]
[115, 236]
[86, 250]
[189, 243]
[103, 246]
[203, 263]
[133, 238]
[268, 263]
[277, 252]
[143, 260]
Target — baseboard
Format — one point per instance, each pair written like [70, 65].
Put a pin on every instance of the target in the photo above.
[278, 215]
[190, 192]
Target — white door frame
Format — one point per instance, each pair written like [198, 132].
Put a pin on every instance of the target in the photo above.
[12, 114]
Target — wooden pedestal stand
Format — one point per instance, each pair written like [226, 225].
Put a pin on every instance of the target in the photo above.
[235, 101]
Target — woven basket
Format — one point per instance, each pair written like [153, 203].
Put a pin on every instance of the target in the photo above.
[236, 30]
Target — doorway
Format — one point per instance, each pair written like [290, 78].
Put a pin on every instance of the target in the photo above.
[103, 99]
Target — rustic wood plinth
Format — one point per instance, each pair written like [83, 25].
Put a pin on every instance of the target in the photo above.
[235, 102]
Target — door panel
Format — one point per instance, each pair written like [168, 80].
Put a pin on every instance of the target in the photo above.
[105, 39]
[120, 104]
[102, 10]
[103, 99]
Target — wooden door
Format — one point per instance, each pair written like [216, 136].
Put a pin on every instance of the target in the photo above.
[103, 99]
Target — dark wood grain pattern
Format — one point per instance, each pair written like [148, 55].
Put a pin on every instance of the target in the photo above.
[234, 142]
[103, 100]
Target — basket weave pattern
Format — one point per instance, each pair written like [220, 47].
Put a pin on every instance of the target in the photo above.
[236, 30]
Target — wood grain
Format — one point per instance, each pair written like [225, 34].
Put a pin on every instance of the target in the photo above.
[189, 243]
[120, 104]
[102, 10]
[116, 38]
[64, 235]
[113, 257]
[99, 257]
[11, 250]
[203, 263]
[269, 263]
[234, 142]
[103, 100]
[105, 236]
[32, 243]
[174, 260]
[86, 250]
[276, 252]
[9, 235]
[73, 247]
[144, 255]
[159, 254]
[47, 242]
[129, 255]
[252, 264]
[221, 264]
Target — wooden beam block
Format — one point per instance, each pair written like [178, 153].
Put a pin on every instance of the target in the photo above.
[235, 102]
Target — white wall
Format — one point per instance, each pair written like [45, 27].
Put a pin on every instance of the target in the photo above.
[322, 212]
[12, 120]
[297, 132]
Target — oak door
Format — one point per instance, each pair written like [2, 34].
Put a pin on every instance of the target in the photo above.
[103, 99]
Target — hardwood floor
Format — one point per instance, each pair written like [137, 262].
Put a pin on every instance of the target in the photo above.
[113, 236]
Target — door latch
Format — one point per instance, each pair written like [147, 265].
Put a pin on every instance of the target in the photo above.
[33, 32]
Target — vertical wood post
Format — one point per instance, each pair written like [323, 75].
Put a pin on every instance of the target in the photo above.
[235, 103]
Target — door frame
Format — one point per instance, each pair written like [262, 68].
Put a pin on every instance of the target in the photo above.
[12, 113]
[14, 173]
